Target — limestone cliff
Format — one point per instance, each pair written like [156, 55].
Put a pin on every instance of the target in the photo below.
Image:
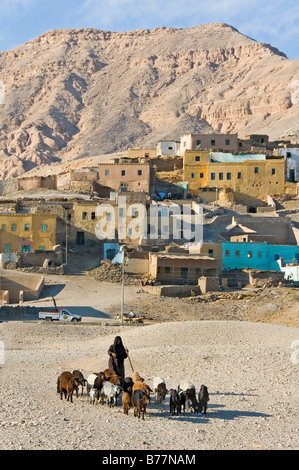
[74, 93]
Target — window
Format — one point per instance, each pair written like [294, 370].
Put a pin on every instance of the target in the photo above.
[108, 215]
[167, 269]
[139, 172]
[7, 248]
[249, 254]
[226, 253]
[41, 247]
[201, 175]
[121, 212]
[213, 142]
[185, 143]
[106, 172]
[44, 227]
[256, 169]
[211, 253]
[227, 142]
[198, 142]
[84, 215]
[221, 176]
[239, 175]
[134, 212]
[273, 171]
[228, 176]
[212, 176]
[26, 228]
[123, 172]
[3, 227]
[192, 175]
[93, 215]
[237, 253]
[259, 254]
[197, 158]
[13, 227]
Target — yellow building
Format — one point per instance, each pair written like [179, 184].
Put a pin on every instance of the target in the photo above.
[115, 219]
[27, 232]
[252, 175]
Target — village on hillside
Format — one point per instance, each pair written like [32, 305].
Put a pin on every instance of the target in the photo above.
[204, 213]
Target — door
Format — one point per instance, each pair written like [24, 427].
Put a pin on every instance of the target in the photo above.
[292, 176]
[7, 248]
[26, 248]
[184, 274]
[80, 238]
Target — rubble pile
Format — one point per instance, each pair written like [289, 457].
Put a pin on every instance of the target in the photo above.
[110, 272]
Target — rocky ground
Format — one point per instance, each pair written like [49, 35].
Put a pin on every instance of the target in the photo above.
[242, 347]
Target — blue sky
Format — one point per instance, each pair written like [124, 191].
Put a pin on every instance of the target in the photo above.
[271, 22]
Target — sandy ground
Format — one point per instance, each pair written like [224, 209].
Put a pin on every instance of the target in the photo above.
[251, 369]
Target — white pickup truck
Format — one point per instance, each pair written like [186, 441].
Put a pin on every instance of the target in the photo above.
[61, 314]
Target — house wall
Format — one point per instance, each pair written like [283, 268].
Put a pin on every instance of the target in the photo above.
[209, 141]
[291, 273]
[142, 153]
[21, 287]
[168, 147]
[36, 182]
[130, 181]
[241, 177]
[121, 219]
[169, 270]
[292, 161]
[256, 255]
[34, 237]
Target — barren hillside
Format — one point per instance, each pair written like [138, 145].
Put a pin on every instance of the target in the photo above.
[71, 94]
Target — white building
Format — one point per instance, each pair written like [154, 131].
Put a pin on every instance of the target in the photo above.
[168, 147]
[292, 163]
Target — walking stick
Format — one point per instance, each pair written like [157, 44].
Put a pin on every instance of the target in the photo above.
[130, 362]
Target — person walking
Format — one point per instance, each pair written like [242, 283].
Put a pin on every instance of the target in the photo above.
[117, 355]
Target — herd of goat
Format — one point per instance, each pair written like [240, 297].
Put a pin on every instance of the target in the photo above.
[105, 387]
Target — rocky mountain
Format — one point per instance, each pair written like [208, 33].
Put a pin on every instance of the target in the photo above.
[71, 94]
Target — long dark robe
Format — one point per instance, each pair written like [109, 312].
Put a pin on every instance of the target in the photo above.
[117, 363]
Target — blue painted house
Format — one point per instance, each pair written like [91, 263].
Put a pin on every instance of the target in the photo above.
[236, 255]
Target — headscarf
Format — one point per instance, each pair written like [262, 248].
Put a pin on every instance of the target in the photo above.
[116, 347]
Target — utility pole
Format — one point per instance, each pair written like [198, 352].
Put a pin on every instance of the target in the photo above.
[123, 289]
[66, 236]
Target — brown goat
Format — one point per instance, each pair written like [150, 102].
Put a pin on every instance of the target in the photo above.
[136, 377]
[68, 384]
[142, 386]
[140, 400]
[126, 402]
[112, 376]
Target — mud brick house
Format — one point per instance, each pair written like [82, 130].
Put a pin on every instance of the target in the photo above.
[254, 175]
[181, 268]
[223, 142]
[122, 177]
[27, 232]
